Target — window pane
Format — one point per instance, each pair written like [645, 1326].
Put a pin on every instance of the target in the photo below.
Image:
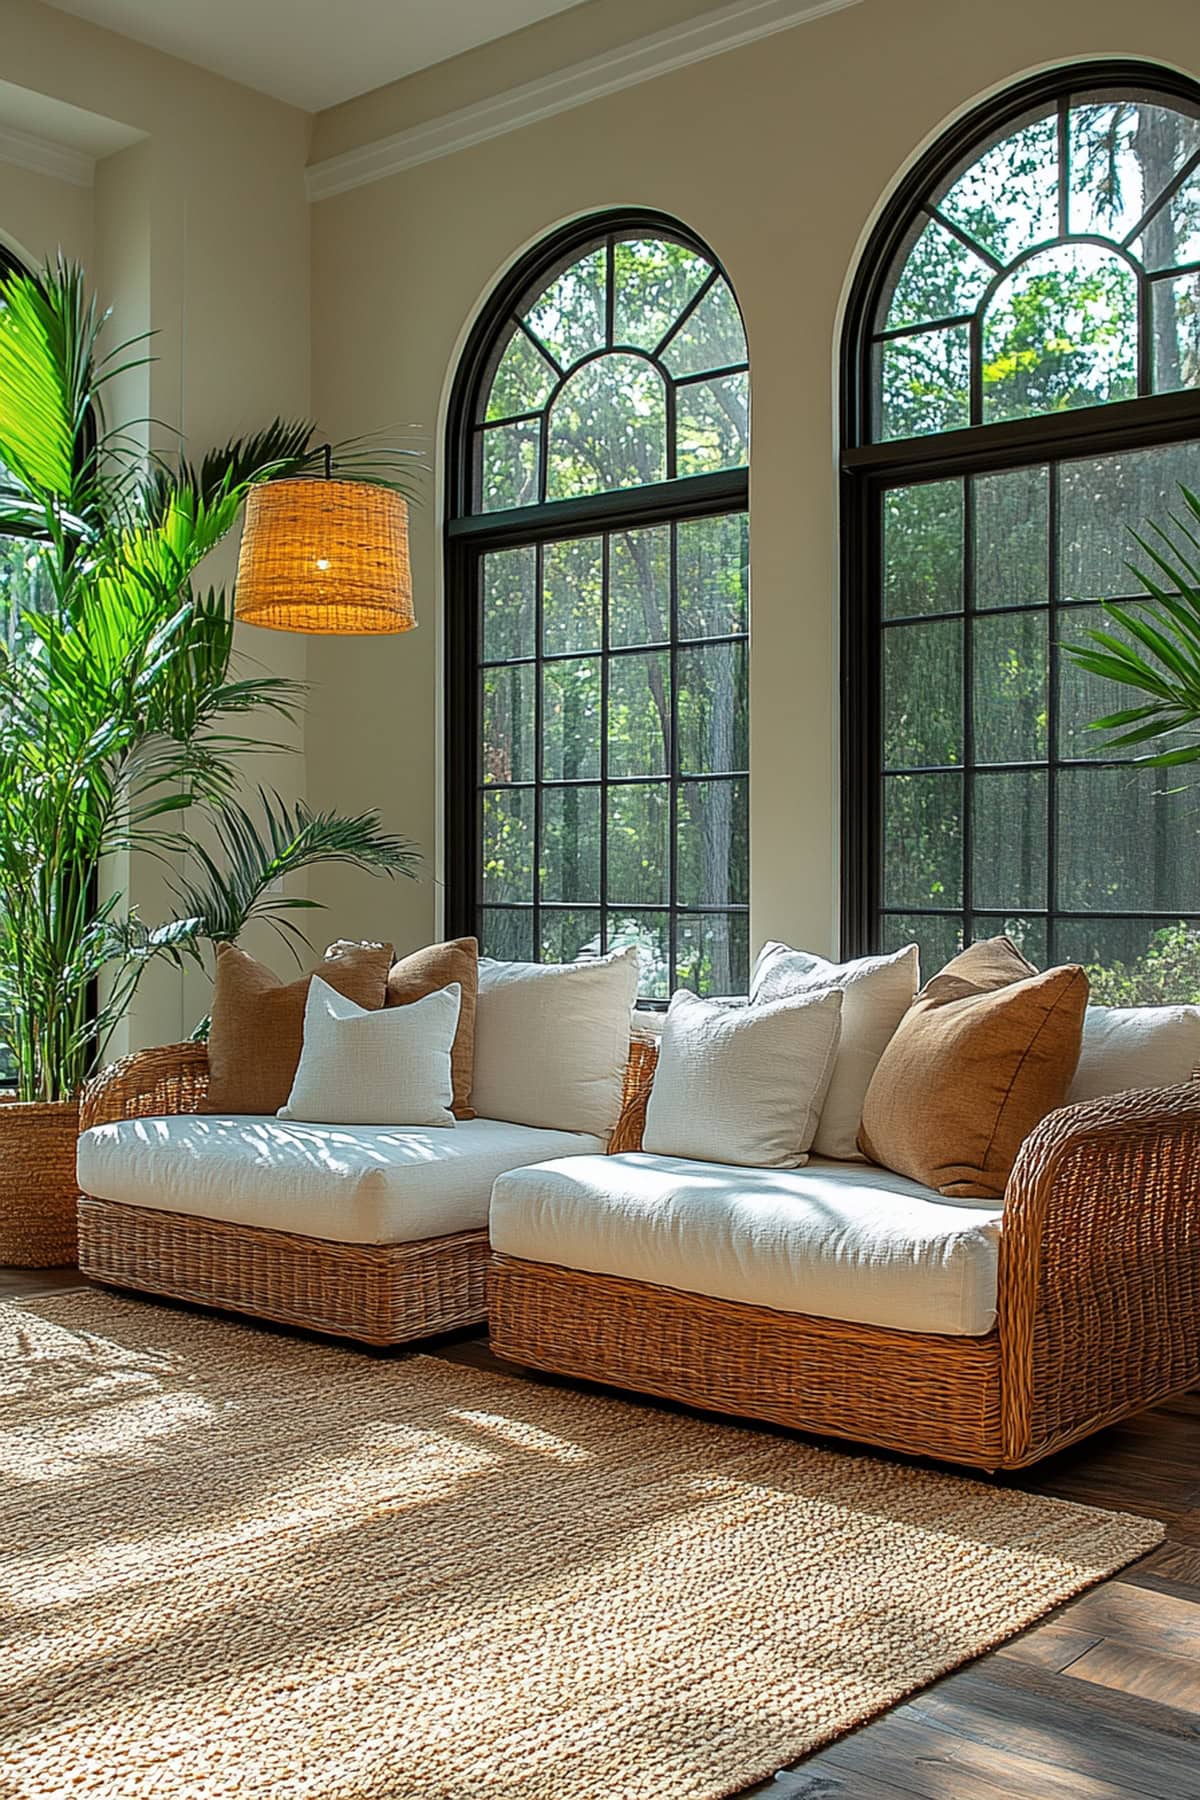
[1007, 200]
[713, 844]
[1009, 839]
[1083, 697]
[938, 937]
[1028, 934]
[508, 466]
[1009, 682]
[922, 834]
[923, 383]
[1128, 841]
[507, 844]
[1012, 537]
[712, 711]
[572, 595]
[522, 381]
[1172, 236]
[508, 936]
[569, 318]
[923, 549]
[570, 847]
[1061, 333]
[922, 695]
[639, 715]
[639, 859]
[713, 561]
[939, 277]
[712, 425]
[711, 337]
[639, 586]
[1135, 962]
[713, 953]
[655, 279]
[649, 932]
[1176, 326]
[1100, 499]
[509, 742]
[571, 719]
[509, 587]
[1123, 153]
[569, 936]
[608, 429]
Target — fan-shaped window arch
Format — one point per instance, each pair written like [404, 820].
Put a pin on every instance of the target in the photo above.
[597, 617]
[1021, 386]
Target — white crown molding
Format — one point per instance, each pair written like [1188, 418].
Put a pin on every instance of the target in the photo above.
[46, 158]
[693, 40]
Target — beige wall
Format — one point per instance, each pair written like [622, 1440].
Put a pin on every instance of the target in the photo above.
[40, 215]
[200, 232]
[779, 155]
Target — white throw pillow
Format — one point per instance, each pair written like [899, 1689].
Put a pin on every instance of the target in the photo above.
[878, 992]
[386, 1067]
[742, 1084]
[1128, 1047]
[552, 1041]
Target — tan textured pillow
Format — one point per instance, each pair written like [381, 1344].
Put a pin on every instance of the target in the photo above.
[424, 972]
[988, 1048]
[258, 1022]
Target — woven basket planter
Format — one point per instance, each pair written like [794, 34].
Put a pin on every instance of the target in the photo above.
[38, 1191]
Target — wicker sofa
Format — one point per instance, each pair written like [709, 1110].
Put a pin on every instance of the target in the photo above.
[1096, 1301]
[1096, 1287]
[378, 1292]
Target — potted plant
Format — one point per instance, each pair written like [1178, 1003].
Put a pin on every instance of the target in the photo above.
[120, 709]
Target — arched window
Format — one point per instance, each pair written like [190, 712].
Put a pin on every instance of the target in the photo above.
[1021, 388]
[597, 611]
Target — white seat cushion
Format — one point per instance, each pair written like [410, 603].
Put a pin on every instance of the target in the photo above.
[834, 1239]
[353, 1184]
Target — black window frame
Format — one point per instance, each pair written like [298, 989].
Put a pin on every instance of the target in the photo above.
[868, 467]
[469, 535]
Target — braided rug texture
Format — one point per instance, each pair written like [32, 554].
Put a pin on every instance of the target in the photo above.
[235, 1564]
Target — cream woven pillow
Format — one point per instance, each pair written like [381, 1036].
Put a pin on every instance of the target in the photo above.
[1128, 1047]
[878, 991]
[742, 1084]
[390, 1067]
[552, 1041]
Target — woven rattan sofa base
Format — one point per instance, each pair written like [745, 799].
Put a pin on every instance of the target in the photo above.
[377, 1294]
[925, 1395]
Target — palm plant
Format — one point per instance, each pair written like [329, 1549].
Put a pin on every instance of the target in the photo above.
[1154, 648]
[120, 706]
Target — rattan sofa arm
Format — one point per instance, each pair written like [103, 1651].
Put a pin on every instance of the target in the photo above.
[1099, 1275]
[639, 1079]
[170, 1079]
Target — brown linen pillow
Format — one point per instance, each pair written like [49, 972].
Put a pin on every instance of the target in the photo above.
[257, 1026]
[988, 1048]
[424, 972]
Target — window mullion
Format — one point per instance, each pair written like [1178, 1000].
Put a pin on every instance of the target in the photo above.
[1052, 745]
[605, 638]
[673, 768]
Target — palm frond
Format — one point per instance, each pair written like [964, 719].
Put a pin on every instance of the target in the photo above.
[1154, 648]
[239, 877]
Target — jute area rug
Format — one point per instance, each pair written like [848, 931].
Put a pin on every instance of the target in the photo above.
[237, 1564]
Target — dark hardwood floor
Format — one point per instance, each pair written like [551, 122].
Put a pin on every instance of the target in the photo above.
[1100, 1701]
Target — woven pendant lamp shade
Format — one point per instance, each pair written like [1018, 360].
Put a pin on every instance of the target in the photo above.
[325, 556]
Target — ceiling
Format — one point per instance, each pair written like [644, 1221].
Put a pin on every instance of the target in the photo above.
[314, 53]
